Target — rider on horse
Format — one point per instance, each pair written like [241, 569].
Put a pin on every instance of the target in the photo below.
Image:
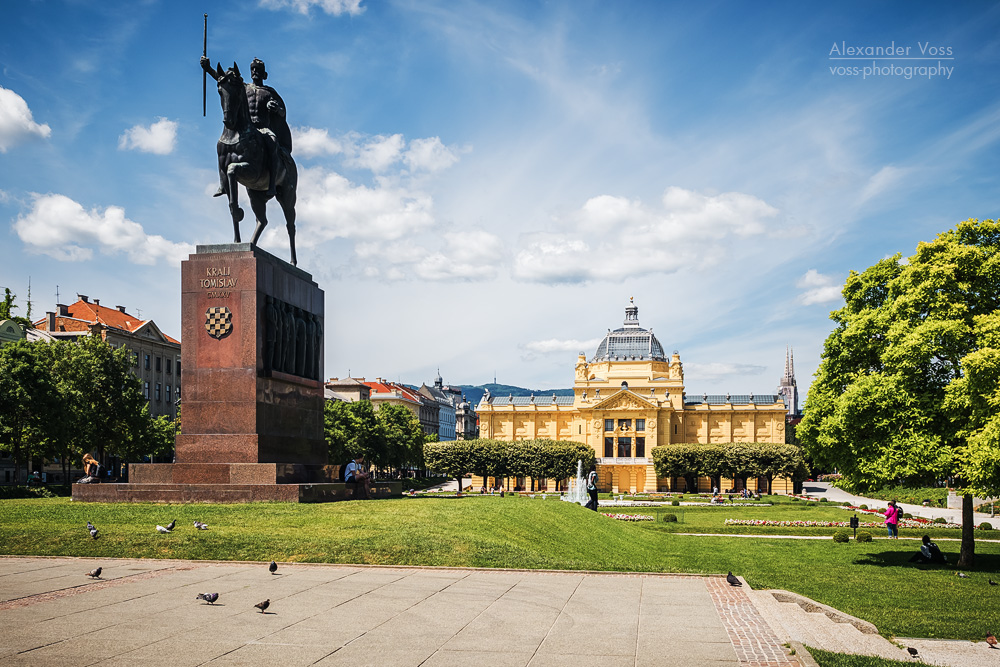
[267, 112]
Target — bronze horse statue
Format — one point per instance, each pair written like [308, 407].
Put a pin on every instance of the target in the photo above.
[245, 157]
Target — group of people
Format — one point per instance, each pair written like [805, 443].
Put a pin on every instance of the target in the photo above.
[929, 552]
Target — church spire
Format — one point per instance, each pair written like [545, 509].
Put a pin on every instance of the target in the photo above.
[788, 387]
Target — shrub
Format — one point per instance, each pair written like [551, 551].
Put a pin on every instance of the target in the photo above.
[670, 518]
[940, 519]
[864, 536]
[985, 525]
[675, 502]
[841, 536]
[794, 499]
[907, 515]
[25, 492]
[823, 499]
[862, 507]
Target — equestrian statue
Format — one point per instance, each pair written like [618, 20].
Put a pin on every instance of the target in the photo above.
[255, 147]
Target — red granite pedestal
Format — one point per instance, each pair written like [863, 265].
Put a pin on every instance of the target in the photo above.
[252, 360]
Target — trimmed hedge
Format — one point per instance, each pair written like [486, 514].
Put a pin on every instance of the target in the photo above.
[841, 536]
[864, 536]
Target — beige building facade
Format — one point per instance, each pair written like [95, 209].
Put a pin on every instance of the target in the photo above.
[627, 399]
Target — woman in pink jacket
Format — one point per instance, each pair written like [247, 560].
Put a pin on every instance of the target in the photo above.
[892, 520]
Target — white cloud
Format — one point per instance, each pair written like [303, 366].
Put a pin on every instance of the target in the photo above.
[379, 153]
[332, 7]
[159, 138]
[626, 238]
[333, 207]
[61, 228]
[16, 122]
[429, 155]
[313, 141]
[882, 180]
[718, 370]
[818, 288]
[552, 345]
[467, 255]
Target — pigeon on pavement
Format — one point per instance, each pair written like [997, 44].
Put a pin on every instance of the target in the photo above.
[161, 529]
[170, 526]
[991, 640]
[95, 574]
[912, 651]
[733, 581]
[263, 605]
[273, 567]
[210, 598]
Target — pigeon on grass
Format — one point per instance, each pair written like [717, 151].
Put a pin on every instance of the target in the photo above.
[991, 639]
[210, 598]
[93, 533]
[162, 529]
[200, 526]
[95, 574]
[733, 580]
[992, 583]
[273, 567]
[263, 605]
[170, 526]
[961, 575]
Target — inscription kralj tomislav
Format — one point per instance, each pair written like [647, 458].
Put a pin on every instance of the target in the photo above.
[255, 147]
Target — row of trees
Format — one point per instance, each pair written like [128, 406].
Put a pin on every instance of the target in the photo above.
[908, 388]
[61, 399]
[390, 437]
[538, 459]
[738, 460]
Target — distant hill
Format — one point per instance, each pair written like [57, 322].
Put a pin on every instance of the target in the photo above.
[474, 393]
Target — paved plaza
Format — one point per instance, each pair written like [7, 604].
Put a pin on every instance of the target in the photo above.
[144, 612]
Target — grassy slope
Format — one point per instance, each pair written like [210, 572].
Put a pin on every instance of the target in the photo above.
[871, 581]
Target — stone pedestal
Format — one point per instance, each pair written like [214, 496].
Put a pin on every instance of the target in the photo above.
[251, 376]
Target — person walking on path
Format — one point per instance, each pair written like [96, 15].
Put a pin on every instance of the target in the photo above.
[592, 490]
[892, 520]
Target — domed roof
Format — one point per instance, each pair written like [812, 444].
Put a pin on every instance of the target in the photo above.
[630, 342]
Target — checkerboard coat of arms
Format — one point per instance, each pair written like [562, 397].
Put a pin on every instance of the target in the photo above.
[218, 321]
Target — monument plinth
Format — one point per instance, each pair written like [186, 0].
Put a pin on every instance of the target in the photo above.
[251, 362]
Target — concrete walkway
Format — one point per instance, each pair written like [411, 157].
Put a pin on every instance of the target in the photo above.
[144, 612]
[832, 493]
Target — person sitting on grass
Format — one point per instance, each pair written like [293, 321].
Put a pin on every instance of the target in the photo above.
[929, 553]
[356, 474]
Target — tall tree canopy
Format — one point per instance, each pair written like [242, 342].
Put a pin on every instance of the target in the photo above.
[907, 389]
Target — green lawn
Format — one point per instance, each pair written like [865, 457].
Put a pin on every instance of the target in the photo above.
[827, 659]
[872, 581]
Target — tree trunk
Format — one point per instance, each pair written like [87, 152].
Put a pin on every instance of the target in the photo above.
[967, 556]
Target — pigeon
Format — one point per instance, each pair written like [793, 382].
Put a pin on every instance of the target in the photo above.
[263, 605]
[992, 583]
[961, 575]
[733, 581]
[991, 640]
[95, 574]
[912, 651]
[273, 567]
[90, 526]
[210, 598]
[170, 526]
[93, 532]
[161, 529]
[200, 526]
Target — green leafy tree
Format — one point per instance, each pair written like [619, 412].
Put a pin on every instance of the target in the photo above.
[403, 435]
[7, 308]
[452, 458]
[892, 400]
[352, 429]
[29, 400]
[678, 460]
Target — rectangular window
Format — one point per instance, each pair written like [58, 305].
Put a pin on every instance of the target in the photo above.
[169, 365]
[159, 364]
[146, 364]
[178, 392]
[609, 424]
[624, 446]
[145, 390]
[609, 447]
[168, 393]
[178, 366]
[624, 424]
[640, 447]
[640, 424]
[675, 429]
[158, 391]
[135, 358]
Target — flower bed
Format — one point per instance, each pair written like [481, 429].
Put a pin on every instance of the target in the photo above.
[914, 522]
[903, 523]
[629, 517]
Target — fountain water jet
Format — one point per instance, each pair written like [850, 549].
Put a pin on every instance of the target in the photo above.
[577, 487]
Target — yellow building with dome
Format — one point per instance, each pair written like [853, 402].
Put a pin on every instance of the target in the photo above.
[628, 398]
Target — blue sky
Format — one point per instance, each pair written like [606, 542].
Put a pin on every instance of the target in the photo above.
[483, 185]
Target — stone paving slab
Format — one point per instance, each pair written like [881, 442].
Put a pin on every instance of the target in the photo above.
[144, 612]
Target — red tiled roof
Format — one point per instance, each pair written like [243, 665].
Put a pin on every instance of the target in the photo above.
[84, 313]
[392, 387]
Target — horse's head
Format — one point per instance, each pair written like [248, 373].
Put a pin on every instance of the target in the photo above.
[232, 92]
